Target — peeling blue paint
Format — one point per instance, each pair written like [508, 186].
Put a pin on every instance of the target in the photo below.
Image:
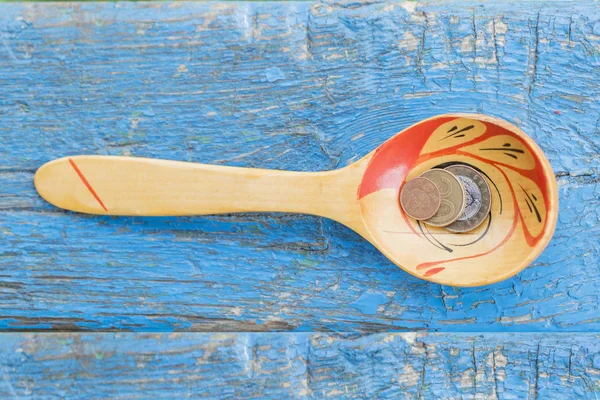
[368, 302]
[308, 87]
[275, 366]
[274, 74]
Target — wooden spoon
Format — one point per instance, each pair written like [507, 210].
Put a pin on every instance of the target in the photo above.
[362, 196]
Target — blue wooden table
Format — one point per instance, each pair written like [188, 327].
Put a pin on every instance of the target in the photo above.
[300, 86]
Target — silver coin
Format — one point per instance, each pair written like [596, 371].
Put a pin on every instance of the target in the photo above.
[473, 194]
[479, 199]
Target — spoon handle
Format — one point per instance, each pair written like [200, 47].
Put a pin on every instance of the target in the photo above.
[151, 187]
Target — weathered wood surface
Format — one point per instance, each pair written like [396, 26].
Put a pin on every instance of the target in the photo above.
[303, 365]
[297, 86]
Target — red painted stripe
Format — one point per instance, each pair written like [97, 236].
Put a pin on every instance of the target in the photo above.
[434, 271]
[87, 184]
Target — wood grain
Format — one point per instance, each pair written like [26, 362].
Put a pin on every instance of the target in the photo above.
[136, 186]
[300, 366]
[309, 87]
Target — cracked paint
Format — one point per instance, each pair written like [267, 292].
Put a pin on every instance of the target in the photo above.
[344, 77]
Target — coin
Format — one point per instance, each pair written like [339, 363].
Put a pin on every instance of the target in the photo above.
[420, 198]
[479, 198]
[453, 197]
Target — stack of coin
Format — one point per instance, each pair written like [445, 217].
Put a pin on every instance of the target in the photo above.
[457, 198]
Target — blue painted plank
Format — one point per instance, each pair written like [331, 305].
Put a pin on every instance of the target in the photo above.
[300, 366]
[301, 86]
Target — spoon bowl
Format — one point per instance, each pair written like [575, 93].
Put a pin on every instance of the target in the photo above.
[524, 200]
[363, 195]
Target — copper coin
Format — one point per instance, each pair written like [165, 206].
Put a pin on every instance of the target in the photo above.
[453, 197]
[420, 198]
[479, 198]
